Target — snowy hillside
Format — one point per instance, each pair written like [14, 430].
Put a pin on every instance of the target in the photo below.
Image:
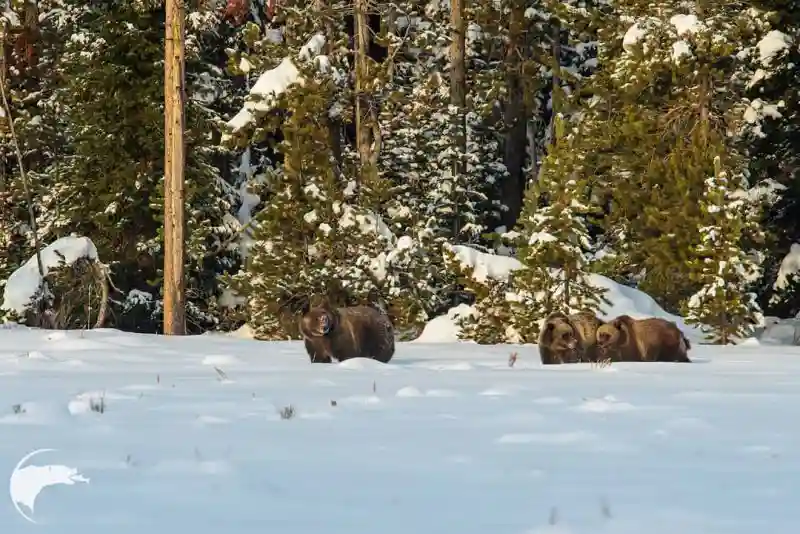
[446, 438]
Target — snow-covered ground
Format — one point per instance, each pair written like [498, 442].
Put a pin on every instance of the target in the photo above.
[445, 439]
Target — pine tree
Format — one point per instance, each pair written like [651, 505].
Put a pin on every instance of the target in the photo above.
[772, 141]
[724, 306]
[107, 101]
[556, 240]
[417, 156]
[320, 232]
[492, 318]
[27, 67]
[661, 77]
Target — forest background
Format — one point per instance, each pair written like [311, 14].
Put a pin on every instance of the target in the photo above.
[653, 144]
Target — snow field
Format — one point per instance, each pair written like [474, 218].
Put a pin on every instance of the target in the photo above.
[447, 437]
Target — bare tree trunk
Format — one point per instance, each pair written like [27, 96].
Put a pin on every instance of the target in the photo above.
[515, 119]
[31, 32]
[174, 164]
[458, 91]
[555, 94]
[363, 134]
[101, 274]
[334, 124]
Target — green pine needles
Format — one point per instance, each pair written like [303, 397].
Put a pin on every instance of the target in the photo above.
[725, 306]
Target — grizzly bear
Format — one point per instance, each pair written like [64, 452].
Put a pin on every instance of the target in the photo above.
[569, 338]
[645, 340]
[342, 333]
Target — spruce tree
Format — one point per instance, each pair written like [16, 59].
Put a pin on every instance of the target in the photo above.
[107, 101]
[555, 239]
[28, 67]
[661, 77]
[492, 319]
[724, 306]
[772, 141]
[320, 232]
[417, 154]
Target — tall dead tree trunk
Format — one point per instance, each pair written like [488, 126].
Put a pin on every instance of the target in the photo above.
[458, 92]
[555, 94]
[515, 119]
[334, 123]
[174, 164]
[363, 133]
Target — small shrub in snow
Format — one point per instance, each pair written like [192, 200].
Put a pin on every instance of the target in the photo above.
[512, 359]
[287, 412]
[98, 405]
[601, 364]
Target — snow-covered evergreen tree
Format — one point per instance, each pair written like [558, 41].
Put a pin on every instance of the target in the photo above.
[772, 142]
[491, 319]
[420, 144]
[27, 69]
[320, 231]
[663, 74]
[487, 23]
[555, 240]
[724, 306]
[107, 100]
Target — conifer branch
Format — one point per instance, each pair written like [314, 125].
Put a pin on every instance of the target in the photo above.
[15, 141]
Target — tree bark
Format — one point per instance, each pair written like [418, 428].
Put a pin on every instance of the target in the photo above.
[458, 91]
[174, 164]
[515, 119]
[555, 94]
[363, 132]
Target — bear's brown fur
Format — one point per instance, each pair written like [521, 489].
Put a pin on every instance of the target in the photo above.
[343, 333]
[645, 340]
[569, 338]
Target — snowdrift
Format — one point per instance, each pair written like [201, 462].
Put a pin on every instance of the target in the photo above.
[624, 299]
[194, 435]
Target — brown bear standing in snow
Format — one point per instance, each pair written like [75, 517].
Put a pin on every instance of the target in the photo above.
[569, 338]
[343, 333]
[645, 340]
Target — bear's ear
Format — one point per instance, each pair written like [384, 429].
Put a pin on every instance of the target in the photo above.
[304, 304]
[547, 330]
[619, 321]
